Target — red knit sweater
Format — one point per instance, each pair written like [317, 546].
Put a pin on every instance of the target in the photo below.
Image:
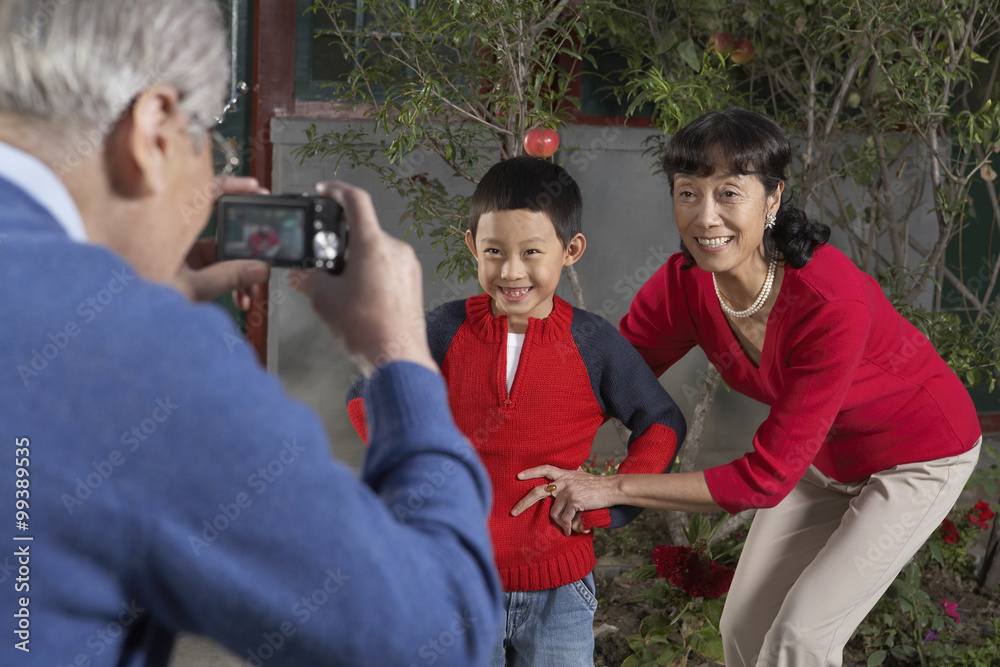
[854, 388]
[575, 372]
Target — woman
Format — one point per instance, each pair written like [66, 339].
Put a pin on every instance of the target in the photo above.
[870, 438]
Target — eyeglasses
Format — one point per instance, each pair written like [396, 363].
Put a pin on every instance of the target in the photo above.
[225, 155]
[241, 90]
[225, 152]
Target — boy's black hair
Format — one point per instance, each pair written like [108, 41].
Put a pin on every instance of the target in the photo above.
[532, 183]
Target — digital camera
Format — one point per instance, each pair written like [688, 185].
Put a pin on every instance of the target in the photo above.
[296, 231]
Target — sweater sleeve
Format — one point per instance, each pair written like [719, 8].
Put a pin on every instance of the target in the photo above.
[626, 389]
[442, 324]
[259, 533]
[823, 357]
[304, 552]
[658, 324]
[356, 407]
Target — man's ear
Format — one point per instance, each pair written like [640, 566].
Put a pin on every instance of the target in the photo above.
[139, 148]
[574, 249]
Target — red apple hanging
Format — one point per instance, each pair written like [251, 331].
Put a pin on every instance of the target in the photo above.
[742, 51]
[541, 142]
[722, 42]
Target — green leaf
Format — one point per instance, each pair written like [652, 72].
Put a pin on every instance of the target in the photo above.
[631, 661]
[711, 611]
[655, 624]
[978, 58]
[647, 571]
[635, 643]
[877, 658]
[667, 42]
[690, 54]
[699, 528]
[893, 145]
[670, 654]
[708, 643]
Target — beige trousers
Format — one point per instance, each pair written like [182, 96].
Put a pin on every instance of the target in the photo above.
[814, 565]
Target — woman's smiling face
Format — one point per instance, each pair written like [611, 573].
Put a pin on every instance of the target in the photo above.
[720, 218]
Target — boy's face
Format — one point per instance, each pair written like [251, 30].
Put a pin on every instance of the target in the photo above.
[520, 261]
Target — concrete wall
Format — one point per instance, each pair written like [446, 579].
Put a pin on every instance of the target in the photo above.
[630, 232]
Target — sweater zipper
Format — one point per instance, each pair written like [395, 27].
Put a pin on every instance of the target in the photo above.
[505, 396]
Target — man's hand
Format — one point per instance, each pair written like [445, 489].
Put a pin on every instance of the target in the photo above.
[201, 278]
[375, 307]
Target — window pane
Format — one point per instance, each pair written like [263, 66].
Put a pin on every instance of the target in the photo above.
[329, 61]
[595, 97]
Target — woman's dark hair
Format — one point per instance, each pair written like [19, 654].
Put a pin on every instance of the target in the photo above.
[751, 144]
[532, 183]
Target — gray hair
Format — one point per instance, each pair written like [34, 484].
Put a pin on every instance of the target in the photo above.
[75, 66]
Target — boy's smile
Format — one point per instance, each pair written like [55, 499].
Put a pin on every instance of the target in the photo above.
[520, 259]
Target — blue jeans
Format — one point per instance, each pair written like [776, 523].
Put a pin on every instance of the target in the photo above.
[550, 628]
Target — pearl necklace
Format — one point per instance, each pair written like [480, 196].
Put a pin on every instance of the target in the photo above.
[758, 303]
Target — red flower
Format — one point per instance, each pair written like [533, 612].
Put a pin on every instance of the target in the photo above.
[951, 608]
[985, 514]
[950, 532]
[691, 570]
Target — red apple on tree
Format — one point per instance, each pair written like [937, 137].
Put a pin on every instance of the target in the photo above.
[742, 51]
[541, 142]
[722, 42]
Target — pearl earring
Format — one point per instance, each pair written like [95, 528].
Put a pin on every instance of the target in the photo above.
[769, 220]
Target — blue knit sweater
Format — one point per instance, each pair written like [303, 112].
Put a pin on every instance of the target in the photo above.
[169, 485]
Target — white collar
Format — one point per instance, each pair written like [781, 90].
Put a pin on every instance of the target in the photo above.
[41, 184]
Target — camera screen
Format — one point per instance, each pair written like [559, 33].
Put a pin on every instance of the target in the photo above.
[264, 232]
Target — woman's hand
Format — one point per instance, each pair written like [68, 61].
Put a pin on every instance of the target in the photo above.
[575, 491]
[204, 279]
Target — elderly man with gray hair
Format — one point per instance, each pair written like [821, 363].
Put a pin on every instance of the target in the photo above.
[156, 480]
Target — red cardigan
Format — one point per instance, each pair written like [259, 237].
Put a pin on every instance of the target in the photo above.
[854, 388]
[575, 373]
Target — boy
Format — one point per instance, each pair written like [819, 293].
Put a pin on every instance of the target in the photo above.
[530, 380]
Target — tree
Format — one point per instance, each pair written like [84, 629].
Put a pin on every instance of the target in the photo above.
[461, 80]
[889, 105]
